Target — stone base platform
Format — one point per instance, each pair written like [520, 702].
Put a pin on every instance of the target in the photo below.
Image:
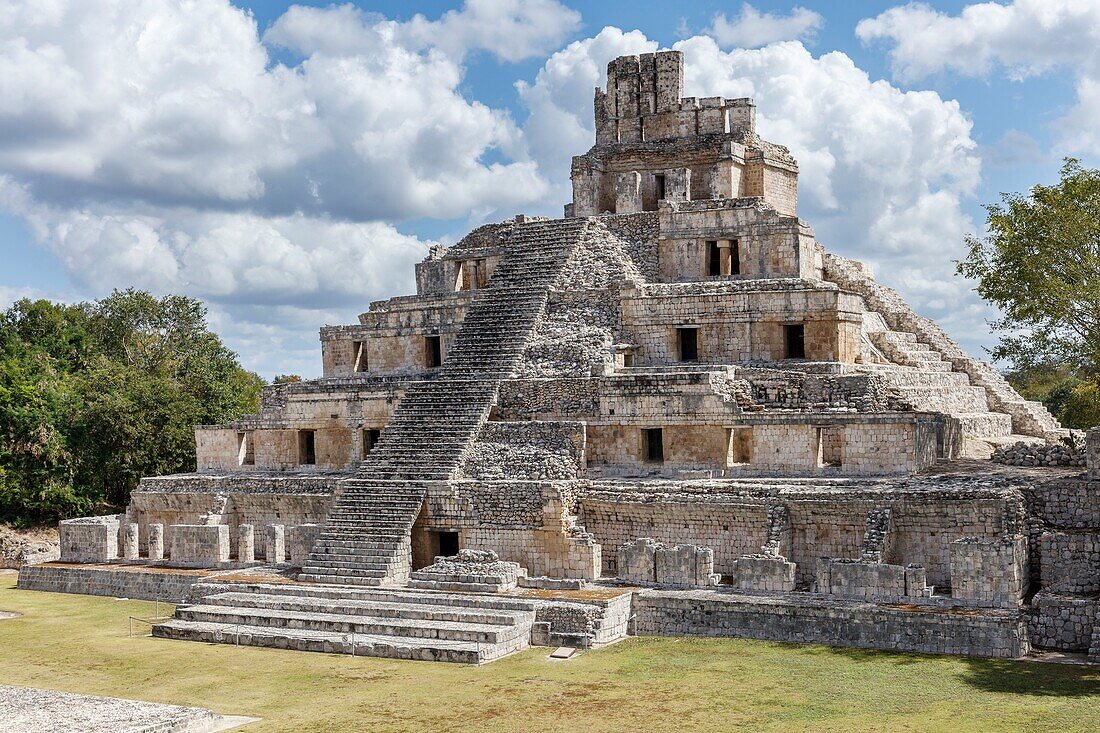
[137, 581]
[31, 710]
[815, 619]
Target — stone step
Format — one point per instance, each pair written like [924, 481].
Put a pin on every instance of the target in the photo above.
[432, 650]
[374, 608]
[985, 424]
[951, 400]
[357, 624]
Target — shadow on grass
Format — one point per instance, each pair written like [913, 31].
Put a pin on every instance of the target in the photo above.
[1033, 678]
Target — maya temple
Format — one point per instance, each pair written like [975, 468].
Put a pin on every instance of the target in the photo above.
[669, 412]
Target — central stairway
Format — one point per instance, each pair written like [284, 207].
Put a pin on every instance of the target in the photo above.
[366, 540]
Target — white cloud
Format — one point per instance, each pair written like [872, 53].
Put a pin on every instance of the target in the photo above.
[512, 30]
[883, 172]
[155, 143]
[752, 29]
[1025, 38]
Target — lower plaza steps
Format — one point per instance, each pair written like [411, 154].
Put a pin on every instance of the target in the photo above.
[392, 623]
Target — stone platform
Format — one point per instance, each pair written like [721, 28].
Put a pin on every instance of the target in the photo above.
[32, 710]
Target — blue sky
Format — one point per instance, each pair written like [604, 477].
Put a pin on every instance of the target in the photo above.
[288, 162]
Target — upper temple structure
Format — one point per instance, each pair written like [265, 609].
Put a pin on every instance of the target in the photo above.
[670, 411]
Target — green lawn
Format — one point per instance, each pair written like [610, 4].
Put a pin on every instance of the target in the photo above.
[80, 644]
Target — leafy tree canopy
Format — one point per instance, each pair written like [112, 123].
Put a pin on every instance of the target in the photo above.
[1040, 264]
[96, 395]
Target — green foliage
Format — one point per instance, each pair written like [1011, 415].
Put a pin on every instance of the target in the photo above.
[1071, 397]
[94, 396]
[1040, 265]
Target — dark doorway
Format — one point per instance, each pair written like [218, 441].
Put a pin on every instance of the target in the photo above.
[735, 258]
[370, 439]
[433, 354]
[659, 184]
[448, 543]
[689, 343]
[795, 335]
[307, 447]
[654, 445]
[714, 259]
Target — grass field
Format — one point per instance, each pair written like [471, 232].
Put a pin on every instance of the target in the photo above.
[80, 644]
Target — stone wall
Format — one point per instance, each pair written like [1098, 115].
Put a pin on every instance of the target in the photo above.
[813, 620]
[742, 321]
[199, 546]
[1062, 622]
[992, 573]
[106, 581]
[1070, 562]
[90, 539]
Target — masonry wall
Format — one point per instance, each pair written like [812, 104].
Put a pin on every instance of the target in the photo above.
[736, 324]
[769, 245]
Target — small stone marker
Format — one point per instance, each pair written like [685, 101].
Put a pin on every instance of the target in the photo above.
[563, 652]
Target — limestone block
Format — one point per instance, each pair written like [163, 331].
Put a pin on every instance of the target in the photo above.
[860, 578]
[199, 545]
[685, 566]
[916, 581]
[130, 542]
[628, 192]
[678, 184]
[637, 563]
[1092, 452]
[90, 539]
[989, 572]
[300, 540]
[275, 543]
[156, 541]
[246, 543]
[764, 572]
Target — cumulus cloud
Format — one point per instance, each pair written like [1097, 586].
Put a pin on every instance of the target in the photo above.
[1025, 38]
[752, 29]
[155, 143]
[883, 172]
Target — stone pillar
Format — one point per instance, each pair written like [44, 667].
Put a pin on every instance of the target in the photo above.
[725, 262]
[156, 541]
[275, 552]
[130, 542]
[246, 543]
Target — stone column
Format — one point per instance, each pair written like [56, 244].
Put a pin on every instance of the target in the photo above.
[725, 262]
[246, 543]
[130, 542]
[156, 541]
[276, 544]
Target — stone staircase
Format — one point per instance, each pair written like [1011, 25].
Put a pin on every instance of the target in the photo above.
[376, 622]
[366, 537]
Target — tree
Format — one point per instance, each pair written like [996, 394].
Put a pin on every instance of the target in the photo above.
[94, 396]
[1040, 264]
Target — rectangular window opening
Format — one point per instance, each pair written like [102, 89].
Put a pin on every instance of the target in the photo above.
[370, 439]
[659, 184]
[795, 338]
[307, 447]
[246, 449]
[688, 343]
[433, 355]
[829, 446]
[359, 359]
[654, 445]
[740, 447]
